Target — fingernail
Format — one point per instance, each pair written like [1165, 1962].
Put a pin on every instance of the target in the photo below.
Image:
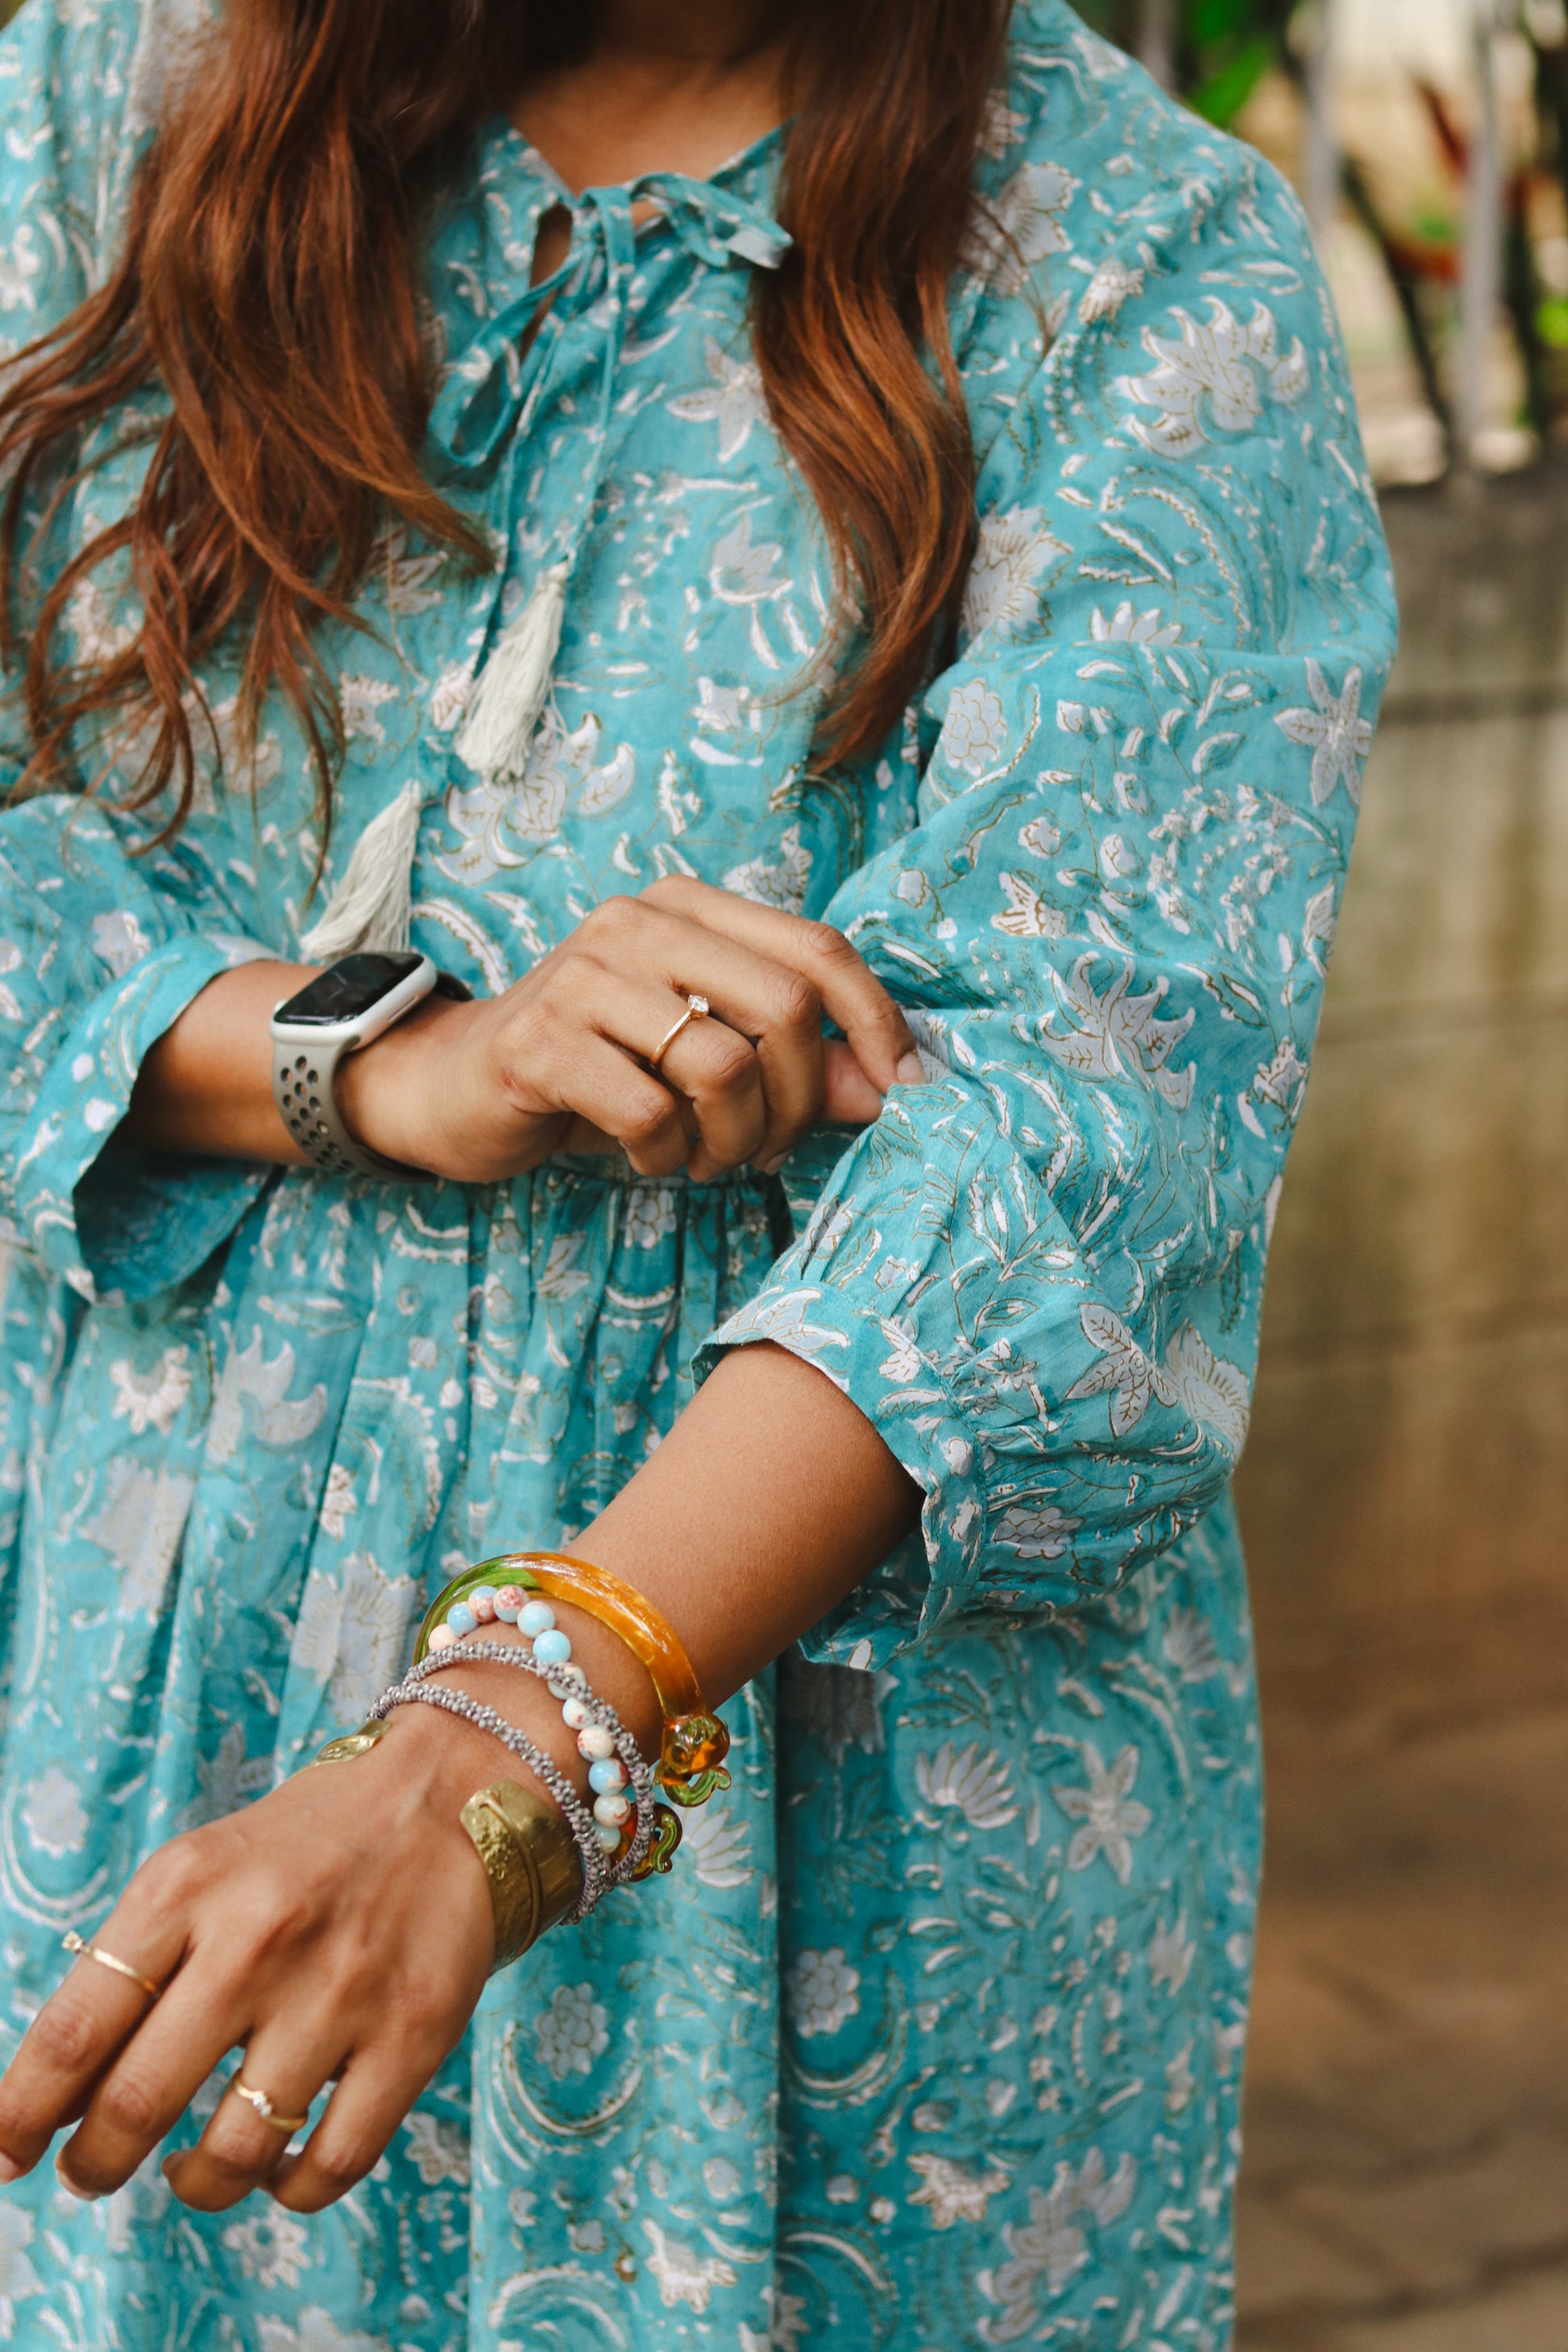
[8, 2172]
[911, 1071]
[170, 2165]
[82, 2196]
[770, 1167]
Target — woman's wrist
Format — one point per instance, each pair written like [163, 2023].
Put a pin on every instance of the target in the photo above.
[389, 1094]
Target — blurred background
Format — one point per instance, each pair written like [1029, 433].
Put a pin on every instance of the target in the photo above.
[1406, 1494]
[1405, 2186]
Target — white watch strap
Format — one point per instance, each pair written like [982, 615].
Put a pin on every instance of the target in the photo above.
[304, 1088]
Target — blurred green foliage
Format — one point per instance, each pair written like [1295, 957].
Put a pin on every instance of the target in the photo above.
[1223, 47]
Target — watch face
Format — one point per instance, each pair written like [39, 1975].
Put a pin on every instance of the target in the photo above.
[351, 986]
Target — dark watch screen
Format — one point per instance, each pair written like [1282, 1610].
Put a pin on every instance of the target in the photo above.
[351, 986]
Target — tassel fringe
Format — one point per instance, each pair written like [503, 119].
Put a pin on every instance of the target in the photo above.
[509, 698]
[370, 909]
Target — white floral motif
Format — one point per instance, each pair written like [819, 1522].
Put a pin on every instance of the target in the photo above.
[1171, 1955]
[1050, 2246]
[1036, 1530]
[439, 2149]
[976, 1786]
[152, 1403]
[648, 1216]
[273, 2249]
[118, 940]
[318, 2331]
[1212, 378]
[735, 403]
[974, 733]
[781, 880]
[823, 1991]
[20, 263]
[719, 1846]
[573, 2032]
[682, 2276]
[951, 2193]
[1334, 731]
[1012, 555]
[18, 2279]
[1126, 627]
[53, 1815]
[1114, 1033]
[225, 1782]
[1023, 228]
[505, 821]
[337, 1502]
[249, 1377]
[1202, 1384]
[140, 1526]
[360, 699]
[1112, 286]
[1028, 916]
[352, 1635]
[1111, 1816]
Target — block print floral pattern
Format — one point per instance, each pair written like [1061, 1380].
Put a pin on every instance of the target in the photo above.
[934, 2036]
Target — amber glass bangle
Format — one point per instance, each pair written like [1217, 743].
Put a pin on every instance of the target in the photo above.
[695, 1742]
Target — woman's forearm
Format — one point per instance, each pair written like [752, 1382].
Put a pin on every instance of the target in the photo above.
[771, 1499]
[207, 1085]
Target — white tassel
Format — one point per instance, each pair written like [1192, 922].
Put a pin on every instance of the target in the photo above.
[369, 910]
[508, 699]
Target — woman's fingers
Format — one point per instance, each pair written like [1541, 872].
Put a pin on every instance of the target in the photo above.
[288, 2062]
[78, 2032]
[600, 1084]
[713, 1067]
[377, 2088]
[152, 2082]
[851, 995]
[849, 1099]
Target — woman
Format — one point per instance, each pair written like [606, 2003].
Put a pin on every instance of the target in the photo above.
[451, 502]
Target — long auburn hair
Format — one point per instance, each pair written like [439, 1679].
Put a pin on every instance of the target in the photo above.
[271, 285]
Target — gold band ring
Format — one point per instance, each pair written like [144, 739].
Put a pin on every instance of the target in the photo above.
[287, 2125]
[697, 1009]
[72, 1942]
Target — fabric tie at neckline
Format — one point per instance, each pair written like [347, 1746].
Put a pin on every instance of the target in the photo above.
[473, 425]
[482, 394]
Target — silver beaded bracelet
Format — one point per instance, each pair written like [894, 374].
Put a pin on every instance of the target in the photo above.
[569, 1688]
[599, 1875]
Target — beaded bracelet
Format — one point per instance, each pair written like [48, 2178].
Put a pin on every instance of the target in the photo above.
[629, 1832]
[694, 1742]
[595, 1869]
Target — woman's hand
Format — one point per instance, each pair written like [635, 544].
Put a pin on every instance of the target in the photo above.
[480, 1092]
[340, 1929]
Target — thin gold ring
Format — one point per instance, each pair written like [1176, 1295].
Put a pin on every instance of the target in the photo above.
[697, 1009]
[72, 1942]
[287, 2125]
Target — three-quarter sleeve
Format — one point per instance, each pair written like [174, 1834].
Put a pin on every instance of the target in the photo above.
[101, 948]
[1040, 1275]
[101, 952]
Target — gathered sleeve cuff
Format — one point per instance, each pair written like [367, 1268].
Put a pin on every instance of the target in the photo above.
[95, 964]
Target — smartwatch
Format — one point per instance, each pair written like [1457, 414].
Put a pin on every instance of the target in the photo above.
[355, 1000]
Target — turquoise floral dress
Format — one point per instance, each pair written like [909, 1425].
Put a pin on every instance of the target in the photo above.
[934, 2037]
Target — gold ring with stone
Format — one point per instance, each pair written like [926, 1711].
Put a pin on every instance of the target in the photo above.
[697, 1009]
[287, 2125]
[72, 1942]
